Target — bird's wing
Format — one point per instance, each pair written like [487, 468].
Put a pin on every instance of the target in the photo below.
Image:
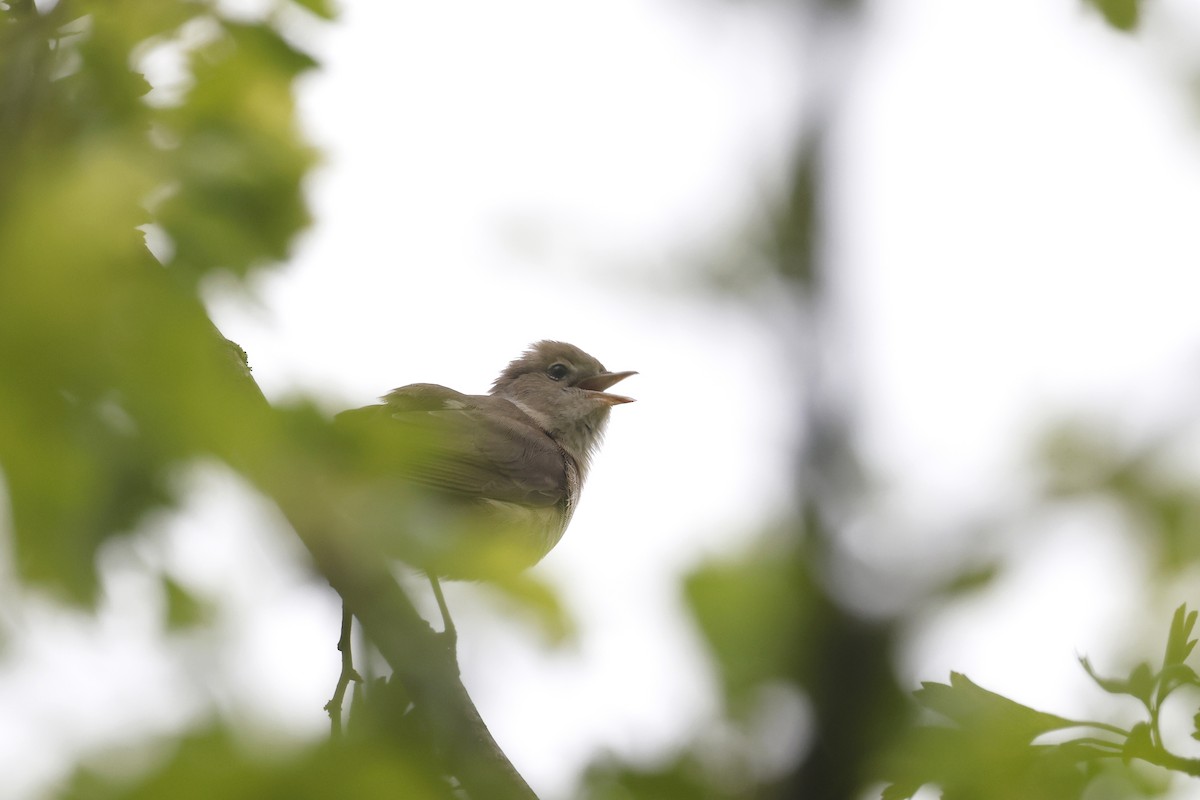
[474, 446]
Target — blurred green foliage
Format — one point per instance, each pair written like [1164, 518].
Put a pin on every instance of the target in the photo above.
[112, 379]
[1155, 497]
[1121, 14]
[112, 373]
[986, 745]
[213, 764]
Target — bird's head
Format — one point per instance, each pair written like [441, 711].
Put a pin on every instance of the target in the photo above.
[564, 390]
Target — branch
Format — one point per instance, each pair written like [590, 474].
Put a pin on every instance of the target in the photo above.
[422, 663]
[292, 468]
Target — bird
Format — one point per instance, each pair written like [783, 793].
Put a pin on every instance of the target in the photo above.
[490, 482]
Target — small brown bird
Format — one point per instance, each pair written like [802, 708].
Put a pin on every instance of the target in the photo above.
[497, 477]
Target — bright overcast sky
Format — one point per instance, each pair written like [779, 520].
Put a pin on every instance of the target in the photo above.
[1016, 190]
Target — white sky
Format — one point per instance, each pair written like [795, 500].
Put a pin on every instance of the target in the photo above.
[1014, 233]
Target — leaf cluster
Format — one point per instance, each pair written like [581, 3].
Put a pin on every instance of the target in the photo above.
[985, 745]
[111, 375]
[113, 380]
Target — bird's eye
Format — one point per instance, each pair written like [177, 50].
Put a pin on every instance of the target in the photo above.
[557, 371]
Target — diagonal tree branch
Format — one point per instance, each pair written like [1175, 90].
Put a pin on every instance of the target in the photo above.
[423, 663]
[298, 476]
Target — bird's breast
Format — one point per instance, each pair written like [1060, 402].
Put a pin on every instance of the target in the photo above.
[540, 527]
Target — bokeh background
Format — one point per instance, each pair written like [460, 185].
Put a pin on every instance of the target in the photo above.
[910, 287]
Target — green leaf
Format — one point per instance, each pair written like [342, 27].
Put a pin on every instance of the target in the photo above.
[971, 580]
[1175, 676]
[1121, 14]
[989, 750]
[1141, 682]
[183, 609]
[111, 373]
[213, 765]
[1139, 744]
[322, 8]
[1179, 641]
[983, 762]
[971, 706]
[237, 156]
[539, 600]
[753, 612]
[683, 778]
[896, 791]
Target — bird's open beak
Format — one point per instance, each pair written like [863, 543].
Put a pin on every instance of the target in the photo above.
[598, 383]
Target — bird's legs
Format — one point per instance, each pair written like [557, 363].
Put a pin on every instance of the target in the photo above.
[448, 630]
[348, 674]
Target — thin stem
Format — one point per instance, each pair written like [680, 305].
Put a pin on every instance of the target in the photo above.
[1105, 744]
[1104, 726]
